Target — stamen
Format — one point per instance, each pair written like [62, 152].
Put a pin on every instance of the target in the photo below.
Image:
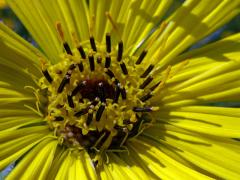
[95, 102]
[70, 101]
[59, 106]
[109, 73]
[112, 22]
[146, 82]
[155, 86]
[60, 30]
[120, 51]
[117, 93]
[47, 76]
[101, 92]
[99, 59]
[59, 72]
[59, 118]
[146, 97]
[93, 44]
[108, 61]
[78, 88]
[92, 24]
[141, 57]
[124, 68]
[80, 67]
[72, 67]
[67, 48]
[148, 70]
[126, 121]
[61, 34]
[123, 93]
[142, 109]
[65, 81]
[81, 112]
[82, 52]
[135, 129]
[91, 62]
[108, 43]
[100, 112]
[89, 117]
[116, 81]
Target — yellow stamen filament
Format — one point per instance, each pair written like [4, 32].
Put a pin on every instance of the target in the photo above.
[92, 25]
[114, 25]
[60, 31]
[156, 34]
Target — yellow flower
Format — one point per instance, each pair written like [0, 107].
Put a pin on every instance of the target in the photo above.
[114, 95]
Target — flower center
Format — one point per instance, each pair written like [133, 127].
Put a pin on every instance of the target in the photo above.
[96, 99]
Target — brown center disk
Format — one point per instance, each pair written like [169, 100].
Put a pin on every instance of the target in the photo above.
[92, 90]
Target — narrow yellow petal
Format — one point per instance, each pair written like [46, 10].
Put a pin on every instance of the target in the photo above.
[36, 163]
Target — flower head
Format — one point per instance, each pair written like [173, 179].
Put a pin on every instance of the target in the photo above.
[112, 95]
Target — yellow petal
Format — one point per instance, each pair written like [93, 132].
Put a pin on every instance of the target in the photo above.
[14, 144]
[40, 19]
[200, 19]
[216, 156]
[162, 165]
[36, 163]
[72, 161]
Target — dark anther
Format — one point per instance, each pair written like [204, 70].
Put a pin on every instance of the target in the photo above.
[82, 52]
[91, 62]
[126, 121]
[78, 88]
[93, 44]
[146, 82]
[59, 118]
[124, 68]
[142, 109]
[47, 76]
[141, 57]
[99, 59]
[67, 48]
[116, 81]
[148, 70]
[95, 101]
[89, 118]
[120, 51]
[95, 163]
[117, 127]
[81, 112]
[72, 66]
[59, 106]
[65, 81]
[146, 97]
[154, 87]
[117, 94]
[108, 43]
[100, 112]
[108, 62]
[70, 101]
[123, 93]
[59, 72]
[135, 130]
[80, 67]
[110, 73]
[105, 135]
[101, 92]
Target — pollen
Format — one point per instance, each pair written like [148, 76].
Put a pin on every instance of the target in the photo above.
[97, 99]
